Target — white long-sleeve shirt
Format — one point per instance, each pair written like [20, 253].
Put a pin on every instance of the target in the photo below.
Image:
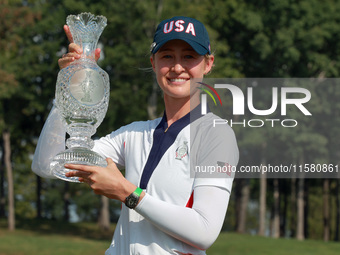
[186, 196]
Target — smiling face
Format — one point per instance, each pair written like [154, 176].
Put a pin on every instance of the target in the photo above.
[175, 63]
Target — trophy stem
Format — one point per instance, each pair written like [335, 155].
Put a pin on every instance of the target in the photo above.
[80, 135]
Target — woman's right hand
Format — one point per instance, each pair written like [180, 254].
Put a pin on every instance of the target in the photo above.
[74, 51]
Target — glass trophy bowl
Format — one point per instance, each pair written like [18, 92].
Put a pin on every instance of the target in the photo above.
[82, 97]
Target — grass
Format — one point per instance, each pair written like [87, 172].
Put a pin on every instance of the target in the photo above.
[27, 243]
[55, 238]
[237, 244]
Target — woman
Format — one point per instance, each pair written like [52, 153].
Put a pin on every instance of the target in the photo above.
[168, 206]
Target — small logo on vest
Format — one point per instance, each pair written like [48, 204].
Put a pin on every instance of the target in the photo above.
[182, 151]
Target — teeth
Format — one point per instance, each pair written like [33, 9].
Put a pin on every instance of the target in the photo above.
[177, 80]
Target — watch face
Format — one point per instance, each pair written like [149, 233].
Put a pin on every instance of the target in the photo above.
[131, 201]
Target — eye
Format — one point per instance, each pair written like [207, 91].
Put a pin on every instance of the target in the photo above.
[188, 56]
[166, 56]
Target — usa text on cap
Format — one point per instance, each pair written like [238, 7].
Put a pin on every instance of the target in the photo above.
[183, 28]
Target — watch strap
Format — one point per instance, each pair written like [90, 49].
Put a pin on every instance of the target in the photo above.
[138, 191]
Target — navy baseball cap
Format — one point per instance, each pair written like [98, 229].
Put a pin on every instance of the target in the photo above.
[183, 28]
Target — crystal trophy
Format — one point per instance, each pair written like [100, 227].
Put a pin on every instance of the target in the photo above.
[82, 97]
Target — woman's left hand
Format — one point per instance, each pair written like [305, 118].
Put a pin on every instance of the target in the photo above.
[107, 181]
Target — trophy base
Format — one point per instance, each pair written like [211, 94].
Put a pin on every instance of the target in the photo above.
[76, 155]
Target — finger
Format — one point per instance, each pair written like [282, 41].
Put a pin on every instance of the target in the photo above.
[85, 180]
[65, 61]
[69, 56]
[68, 33]
[84, 168]
[80, 174]
[109, 161]
[75, 48]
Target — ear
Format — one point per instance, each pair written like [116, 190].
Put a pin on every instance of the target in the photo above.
[152, 60]
[209, 64]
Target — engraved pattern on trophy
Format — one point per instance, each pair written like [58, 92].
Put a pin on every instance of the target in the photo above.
[87, 86]
[82, 96]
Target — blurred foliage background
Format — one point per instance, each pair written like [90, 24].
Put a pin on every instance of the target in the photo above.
[270, 39]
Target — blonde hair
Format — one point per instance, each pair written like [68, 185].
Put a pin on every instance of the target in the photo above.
[207, 57]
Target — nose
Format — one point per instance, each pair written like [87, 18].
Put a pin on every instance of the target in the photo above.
[178, 67]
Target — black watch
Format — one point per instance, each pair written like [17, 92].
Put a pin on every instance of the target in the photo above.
[132, 200]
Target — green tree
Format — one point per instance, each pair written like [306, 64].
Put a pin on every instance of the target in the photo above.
[285, 39]
[17, 20]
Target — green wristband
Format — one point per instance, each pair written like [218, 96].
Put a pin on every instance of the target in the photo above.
[138, 191]
[132, 200]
